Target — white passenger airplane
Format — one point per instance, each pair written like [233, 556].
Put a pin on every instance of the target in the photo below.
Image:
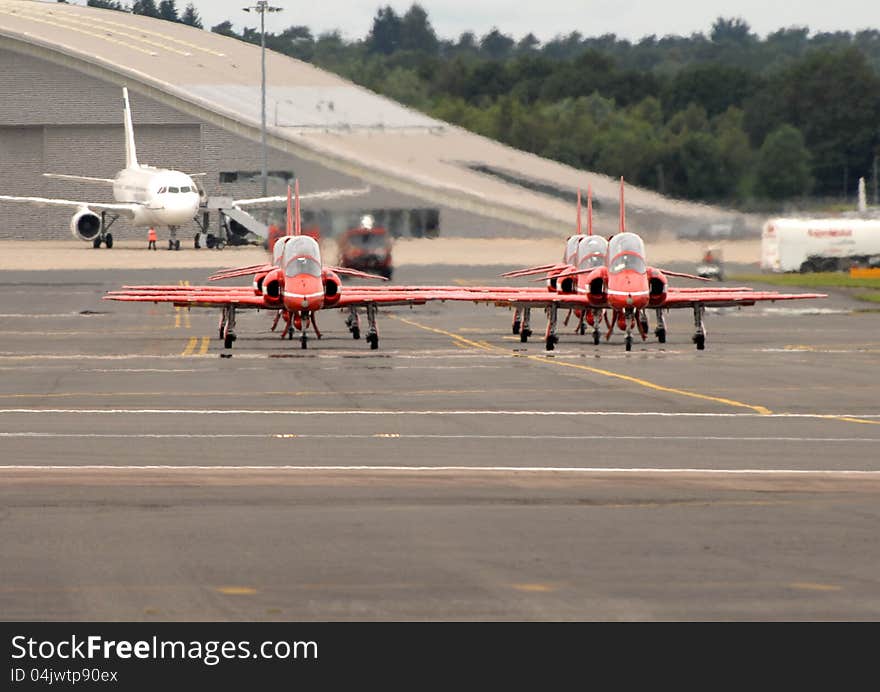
[149, 196]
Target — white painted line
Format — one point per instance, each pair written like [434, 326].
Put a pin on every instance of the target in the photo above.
[428, 436]
[478, 412]
[458, 469]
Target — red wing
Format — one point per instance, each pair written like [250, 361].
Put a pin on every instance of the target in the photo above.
[191, 296]
[542, 269]
[240, 271]
[354, 272]
[685, 298]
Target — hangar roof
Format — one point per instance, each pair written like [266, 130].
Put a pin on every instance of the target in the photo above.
[319, 116]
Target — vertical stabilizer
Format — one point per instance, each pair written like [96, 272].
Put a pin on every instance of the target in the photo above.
[863, 202]
[579, 213]
[297, 229]
[622, 209]
[131, 160]
[589, 210]
[289, 225]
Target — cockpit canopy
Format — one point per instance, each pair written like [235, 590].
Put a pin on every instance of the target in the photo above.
[301, 255]
[592, 252]
[571, 248]
[626, 251]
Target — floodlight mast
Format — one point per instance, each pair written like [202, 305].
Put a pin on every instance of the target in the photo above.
[262, 7]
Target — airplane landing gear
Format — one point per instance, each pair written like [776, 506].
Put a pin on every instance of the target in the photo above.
[660, 332]
[173, 242]
[551, 338]
[699, 337]
[353, 323]
[104, 236]
[372, 332]
[227, 326]
[525, 329]
[517, 321]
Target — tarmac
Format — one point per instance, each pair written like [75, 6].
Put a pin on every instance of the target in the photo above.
[453, 474]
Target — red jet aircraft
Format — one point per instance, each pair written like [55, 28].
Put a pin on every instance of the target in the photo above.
[296, 285]
[624, 284]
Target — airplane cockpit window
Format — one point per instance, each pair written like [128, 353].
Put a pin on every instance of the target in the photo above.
[302, 265]
[302, 256]
[571, 247]
[625, 242]
[627, 261]
[185, 188]
[278, 249]
[173, 189]
[163, 190]
[592, 252]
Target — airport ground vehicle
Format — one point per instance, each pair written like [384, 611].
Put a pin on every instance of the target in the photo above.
[808, 245]
[366, 248]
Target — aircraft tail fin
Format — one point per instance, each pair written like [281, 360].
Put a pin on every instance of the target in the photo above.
[131, 160]
[294, 224]
[589, 210]
[622, 209]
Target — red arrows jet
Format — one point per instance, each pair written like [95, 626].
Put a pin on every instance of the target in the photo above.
[623, 283]
[296, 285]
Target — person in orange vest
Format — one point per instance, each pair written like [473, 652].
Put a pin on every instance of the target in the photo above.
[151, 237]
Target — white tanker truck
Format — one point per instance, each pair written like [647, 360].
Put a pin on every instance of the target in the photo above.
[829, 244]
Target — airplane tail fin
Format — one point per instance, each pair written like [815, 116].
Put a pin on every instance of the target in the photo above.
[589, 210]
[622, 209]
[579, 213]
[131, 160]
[294, 224]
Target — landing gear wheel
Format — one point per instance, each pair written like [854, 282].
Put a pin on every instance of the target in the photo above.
[524, 335]
[661, 335]
[356, 333]
[582, 328]
[373, 340]
[303, 340]
[629, 343]
[227, 342]
[170, 244]
[96, 243]
[108, 241]
[290, 333]
[700, 341]
[551, 342]
[595, 338]
[515, 327]
[176, 245]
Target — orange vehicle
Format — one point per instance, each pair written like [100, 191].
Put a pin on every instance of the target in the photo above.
[366, 248]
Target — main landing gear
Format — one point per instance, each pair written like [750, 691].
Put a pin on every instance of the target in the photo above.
[227, 326]
[517, 321]
[660, 332]
[104, 236]
[372, 332]
[551, 338]
[525, 330]
[699, 337]
[353, 323]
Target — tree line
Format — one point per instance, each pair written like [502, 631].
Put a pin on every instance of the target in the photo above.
[725, 117]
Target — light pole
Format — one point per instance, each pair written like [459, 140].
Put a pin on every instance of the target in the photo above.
[262, 7]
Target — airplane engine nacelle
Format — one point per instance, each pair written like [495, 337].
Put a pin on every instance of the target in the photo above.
[566, 285]
[657, 287]
[332, 286]
[85, 224]
[258, 282]
[597, 286]
[272, 285]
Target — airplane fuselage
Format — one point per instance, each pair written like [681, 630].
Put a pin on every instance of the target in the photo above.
[164, 197]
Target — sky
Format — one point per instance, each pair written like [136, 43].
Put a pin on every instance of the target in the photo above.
[630, 19]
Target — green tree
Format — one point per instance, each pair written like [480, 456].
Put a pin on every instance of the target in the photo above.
[145, 7]
[224, 29]
[496, 45]
[191, 16]
[106, 5]
[168, 10]
[416, 32]
[384, 37]
[783, 169]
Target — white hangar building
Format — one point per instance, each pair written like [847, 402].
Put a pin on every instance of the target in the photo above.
[195, 98]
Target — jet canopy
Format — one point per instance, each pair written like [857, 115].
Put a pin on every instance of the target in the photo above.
[571, 248]
[592, 252]
[626, 251]
[301, 256]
